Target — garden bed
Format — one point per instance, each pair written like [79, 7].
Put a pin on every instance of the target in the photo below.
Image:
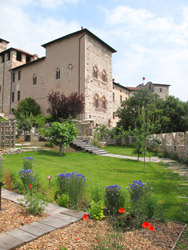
[13, 216]
[87, 234]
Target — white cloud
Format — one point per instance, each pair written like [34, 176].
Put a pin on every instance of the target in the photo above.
[29, 35]
[56, 3]
[149, 45]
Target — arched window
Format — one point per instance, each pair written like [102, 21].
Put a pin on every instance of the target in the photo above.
[70, 69]
[104, 76]
[96, 102]
[95, 72]
[34, 79]
[57, 73]
[104, 103]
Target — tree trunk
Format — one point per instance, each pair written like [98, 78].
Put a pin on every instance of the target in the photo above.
[60, 149]
[144, 159]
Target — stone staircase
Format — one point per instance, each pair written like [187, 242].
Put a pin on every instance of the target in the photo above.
[85, 144]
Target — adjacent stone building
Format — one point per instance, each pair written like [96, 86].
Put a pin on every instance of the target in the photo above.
[157, 88]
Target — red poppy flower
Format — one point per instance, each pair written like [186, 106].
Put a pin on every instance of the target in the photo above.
[30, 186]
[121, 210]
[151, 228]
[85, 217]
[146, 224]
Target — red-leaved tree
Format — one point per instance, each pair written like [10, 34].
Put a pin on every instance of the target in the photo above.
[62, 107]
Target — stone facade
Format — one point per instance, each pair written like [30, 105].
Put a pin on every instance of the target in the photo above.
[9, 58]
[98, 84]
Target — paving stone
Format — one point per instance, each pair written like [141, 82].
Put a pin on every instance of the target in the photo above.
[33, 230]
[182, 197]
[75, 213]
[55, 222]
[9, 242]
[22, 235]
[42, 226]
[67, 217]
[54, 209]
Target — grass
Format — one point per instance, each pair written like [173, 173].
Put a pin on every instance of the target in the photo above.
[129, 151]
[108, 171]
[183, 242]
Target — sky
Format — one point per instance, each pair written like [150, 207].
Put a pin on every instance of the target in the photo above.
[150, 36]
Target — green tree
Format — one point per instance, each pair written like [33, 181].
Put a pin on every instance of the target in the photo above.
[26, 113]
[172, 113]
[62, 134]
[141, 133]
[128, 112]
[27, 107]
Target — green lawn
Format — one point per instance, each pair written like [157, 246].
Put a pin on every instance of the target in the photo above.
[108, 171]
[122, 150]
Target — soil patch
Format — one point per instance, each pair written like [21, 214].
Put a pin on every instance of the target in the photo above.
[13, 216]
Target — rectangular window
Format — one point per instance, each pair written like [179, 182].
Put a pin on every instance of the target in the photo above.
[13, 77]
[161, 90]
[19, 56]
[113, 115]
[19, 75]
[113, 96]
[8, 56]
[34, 79]
[18, 95]
[12, 96]
[120, 98]
[3, 58]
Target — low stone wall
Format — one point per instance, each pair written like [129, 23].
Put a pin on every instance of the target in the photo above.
[176, 143]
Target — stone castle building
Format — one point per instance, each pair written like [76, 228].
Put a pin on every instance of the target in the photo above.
[78, 62]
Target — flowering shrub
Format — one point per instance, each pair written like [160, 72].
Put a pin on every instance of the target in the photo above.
[142, 205]
[27, 178]
[73, 185]
[114, 199]
[27, 162]
[138, 191]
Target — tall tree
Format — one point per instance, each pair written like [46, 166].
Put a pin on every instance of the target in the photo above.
[62, 107]
[128, 112]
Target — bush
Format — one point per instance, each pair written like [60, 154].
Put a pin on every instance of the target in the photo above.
[73, 185]
[33, 203]
[63, 201]
[96, 210]
[28, 178]
[142, 205]
[97, 193]
[27, 163]
[114, 199]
